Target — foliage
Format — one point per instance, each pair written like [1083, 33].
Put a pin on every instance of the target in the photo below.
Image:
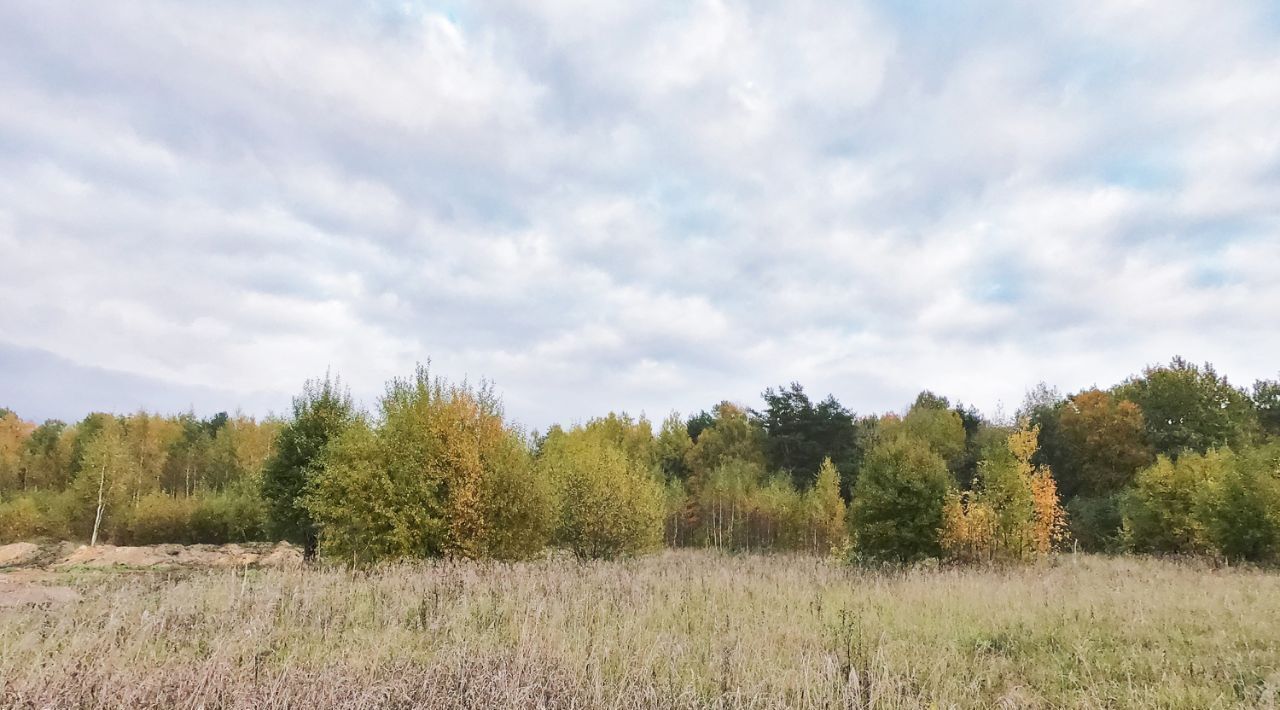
[1266, 400]
[1106, 440]
[898, 501]
[1166, 510]
[800, 435]
[1012, 513]
[320, 414]
[825, 512]
[1190, 408]
[671, 448]
[439, 473]
[1096, 522]
[732, 435]
[610, 504]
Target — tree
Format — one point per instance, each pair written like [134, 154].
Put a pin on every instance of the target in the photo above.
[733, 435]
[800, 435]
[1189, 408]
[930, 420]
[1266, 400]
[1012, 513]
[1166, 509]
[47, 456]
[439, 473]
[320, 414]
[672, 447]
[825, 510]
[13, 439]
[1106, 441]
[611, 505]
[898, 501]
[100, 488]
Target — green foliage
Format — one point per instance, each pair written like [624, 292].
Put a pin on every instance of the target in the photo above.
[1242, 511]
[800, 435]
[896, 513]
[610, 504]
[932, 422]
[1190, 408]
[320, 414]
[229, 516]
[732, 436]
[438, 474]
[672, 448]
[1167, 509]
[825, 512]
[1097, 522]
[158, 518]
[519, 504]
[1266, 400]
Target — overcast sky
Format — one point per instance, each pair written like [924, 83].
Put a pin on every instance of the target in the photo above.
[631, 205]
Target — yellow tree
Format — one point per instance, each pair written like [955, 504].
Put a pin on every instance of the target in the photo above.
[826, 511]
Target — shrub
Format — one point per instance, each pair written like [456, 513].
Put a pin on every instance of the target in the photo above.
[1096, 522]
[1167, 509]
[159, 518]
[1242, 509]
[610, 505]
[20, 519]
[231, 516]
[898, 501]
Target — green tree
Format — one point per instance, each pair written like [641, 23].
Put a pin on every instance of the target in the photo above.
[1166, 509]
[672, 447]
[1266, 400]
[799, 435]
[320, 414]
[439, 474]
[1189, 408]
[896, 513]
[611, 505]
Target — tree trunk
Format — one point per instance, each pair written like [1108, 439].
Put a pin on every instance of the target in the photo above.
[97, 520]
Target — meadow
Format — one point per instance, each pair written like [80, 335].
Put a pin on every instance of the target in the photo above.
[679, 629]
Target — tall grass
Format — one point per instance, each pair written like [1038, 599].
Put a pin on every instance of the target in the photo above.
[682, 629]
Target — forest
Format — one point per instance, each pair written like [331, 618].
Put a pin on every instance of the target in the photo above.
[1173, 460]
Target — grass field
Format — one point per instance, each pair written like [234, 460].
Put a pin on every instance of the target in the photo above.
[678, 629]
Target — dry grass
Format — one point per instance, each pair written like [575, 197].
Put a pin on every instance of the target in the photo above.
[679, 629]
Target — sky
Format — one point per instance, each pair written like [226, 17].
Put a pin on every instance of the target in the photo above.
[646, 207]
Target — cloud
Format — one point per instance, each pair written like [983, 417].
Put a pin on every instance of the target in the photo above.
[631, 206]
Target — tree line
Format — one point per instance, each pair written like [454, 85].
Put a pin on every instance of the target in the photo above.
[1175, 459]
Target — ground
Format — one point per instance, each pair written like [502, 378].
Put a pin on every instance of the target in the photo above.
[676, 629]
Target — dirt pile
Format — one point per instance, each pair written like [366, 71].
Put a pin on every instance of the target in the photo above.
[19, 554]
[62, 556]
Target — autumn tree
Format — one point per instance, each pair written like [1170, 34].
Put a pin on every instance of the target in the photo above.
[1013, 512]
[439, 473]
[1107, 442]
[825, 511]
[13, 438]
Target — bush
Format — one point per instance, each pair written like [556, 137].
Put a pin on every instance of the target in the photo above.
[610, 505]
[1096, 522]
[232, 516]
[1170, 503]
[159, 518]
[38, 514]
[20, 519]
[898, 501]
[1242, 512]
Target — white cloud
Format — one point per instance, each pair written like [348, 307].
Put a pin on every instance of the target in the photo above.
[633, 206]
